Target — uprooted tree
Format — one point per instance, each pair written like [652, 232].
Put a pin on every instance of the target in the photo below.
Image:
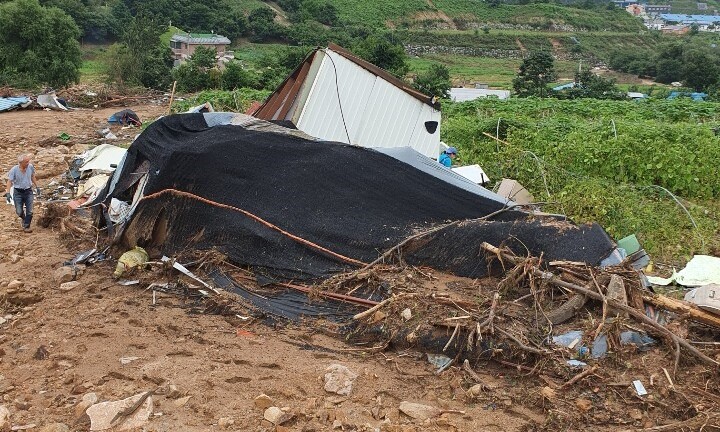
[38, 45]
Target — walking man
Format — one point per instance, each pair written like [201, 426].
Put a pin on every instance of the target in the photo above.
[22, 178]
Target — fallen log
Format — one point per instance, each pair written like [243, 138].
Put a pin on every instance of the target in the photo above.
[684, 308]
[638, 315]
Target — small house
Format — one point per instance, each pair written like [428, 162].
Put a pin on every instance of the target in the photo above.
[183, 45]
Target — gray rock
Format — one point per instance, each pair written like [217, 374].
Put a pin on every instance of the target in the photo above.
[64, 274]
[277, 416]
[5, 424]
[419, 411]
[102, 414]
[15, 284]
[69, 286]
[339, 379]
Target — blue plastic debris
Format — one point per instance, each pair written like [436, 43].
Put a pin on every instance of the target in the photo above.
[599, 347]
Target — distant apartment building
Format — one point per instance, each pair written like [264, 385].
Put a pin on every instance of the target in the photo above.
[183, 45]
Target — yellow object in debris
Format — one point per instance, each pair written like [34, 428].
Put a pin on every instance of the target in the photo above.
[649, 268]
[133, 258]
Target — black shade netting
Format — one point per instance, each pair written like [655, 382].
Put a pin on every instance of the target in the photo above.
[233, 189]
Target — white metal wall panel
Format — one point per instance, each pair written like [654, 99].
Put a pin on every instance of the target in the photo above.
[377, 113]
[422, 141]
[390, 117]
[321, 115]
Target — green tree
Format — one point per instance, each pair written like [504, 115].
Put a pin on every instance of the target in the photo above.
[262, 26]
[701, 68]
[141, 58]
[199, 72]
[381, 51]
[589, 85]
[30, 53]
[434, 82]
[669, 63]
[235, 76]
[536, 72]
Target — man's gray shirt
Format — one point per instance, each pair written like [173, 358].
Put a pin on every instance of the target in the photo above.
[19, 179]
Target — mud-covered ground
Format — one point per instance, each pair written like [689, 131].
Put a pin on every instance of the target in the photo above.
[105, 342]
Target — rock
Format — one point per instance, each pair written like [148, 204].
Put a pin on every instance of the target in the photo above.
[55, 427]
[583, 405]
[15, 258]
[263, 402]
[15, 284]
[476, 390]
[276, 416]
[226, 422]
[419, 411]
[64, 274]
[87, 401]
[102, 414]
[339, 379]
[173, 392]
[4, 419]
[406, 314]
[69, 286]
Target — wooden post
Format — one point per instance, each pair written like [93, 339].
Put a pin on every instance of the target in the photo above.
[172, 96]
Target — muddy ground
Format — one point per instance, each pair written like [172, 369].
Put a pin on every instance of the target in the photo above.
[206, 371]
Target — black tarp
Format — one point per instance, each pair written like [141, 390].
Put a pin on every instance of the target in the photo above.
[351, 200]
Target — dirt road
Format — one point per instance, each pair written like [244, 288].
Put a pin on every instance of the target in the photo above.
[99, 340]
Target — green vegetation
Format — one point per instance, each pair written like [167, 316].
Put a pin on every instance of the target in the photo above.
[566, 151]
[536, 72]
[465, 14]
[30, 54]
[234, 101]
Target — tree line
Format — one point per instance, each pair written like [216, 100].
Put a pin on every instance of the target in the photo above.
[693, 61]
[31, 55]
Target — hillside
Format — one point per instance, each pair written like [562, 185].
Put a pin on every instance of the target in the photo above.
[470, 14]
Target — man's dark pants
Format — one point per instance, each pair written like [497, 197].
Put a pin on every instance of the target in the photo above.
[23, 199]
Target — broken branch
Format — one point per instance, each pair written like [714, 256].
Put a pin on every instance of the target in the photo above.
[552, 278]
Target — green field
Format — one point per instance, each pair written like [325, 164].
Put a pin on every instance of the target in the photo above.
[612, 162]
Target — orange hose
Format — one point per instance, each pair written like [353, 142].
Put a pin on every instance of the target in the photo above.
[258, 219]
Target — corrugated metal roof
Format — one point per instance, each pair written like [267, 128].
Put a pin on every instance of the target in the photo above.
[7, 104]
[690, 18]
[201, 38]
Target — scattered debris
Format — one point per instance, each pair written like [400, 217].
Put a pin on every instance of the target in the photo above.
[11, 103]
[639, 388]
[706, 297]
[125, 117]
[51, 101]
[130, 260]
[700, 270]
